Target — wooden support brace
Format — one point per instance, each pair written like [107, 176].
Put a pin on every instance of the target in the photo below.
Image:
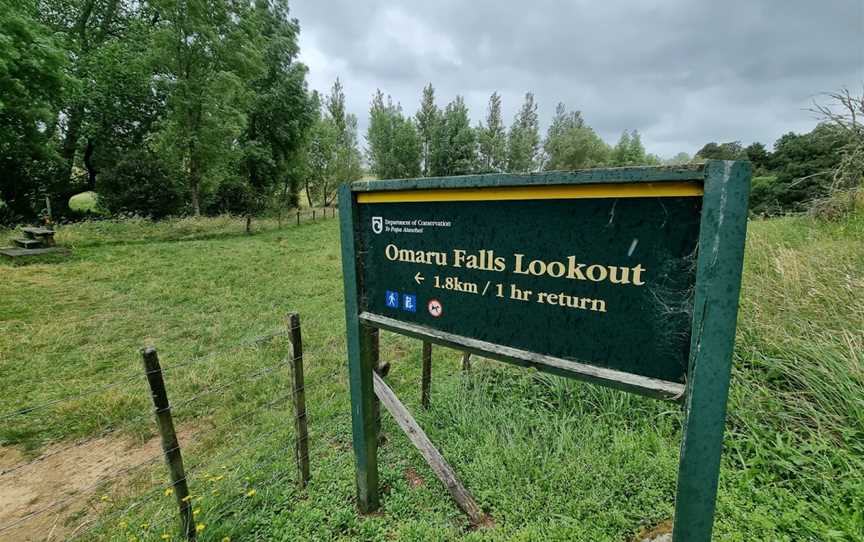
[432, 456]
[466, 361]
[426, 378]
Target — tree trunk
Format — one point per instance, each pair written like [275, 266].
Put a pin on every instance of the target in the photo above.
[70, 141]
[88, 163]
[194, 180]
[308, 194]
[248, 224]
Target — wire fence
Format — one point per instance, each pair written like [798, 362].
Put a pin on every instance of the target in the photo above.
[243, 430]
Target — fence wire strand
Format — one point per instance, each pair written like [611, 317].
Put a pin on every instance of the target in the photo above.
[193, 446]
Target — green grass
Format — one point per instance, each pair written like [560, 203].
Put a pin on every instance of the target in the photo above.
[549, 459]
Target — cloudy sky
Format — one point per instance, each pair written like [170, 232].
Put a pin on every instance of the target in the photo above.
[682, 72]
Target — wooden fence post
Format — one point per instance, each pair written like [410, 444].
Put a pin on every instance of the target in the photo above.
[466, 361]
[301, 429]
[298, 217]
[426, 379]
[313, 215]
[170, 445]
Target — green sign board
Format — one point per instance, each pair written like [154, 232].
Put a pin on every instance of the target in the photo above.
[626, 277]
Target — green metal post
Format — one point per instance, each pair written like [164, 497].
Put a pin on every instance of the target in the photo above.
[715, 310]
[361, 362]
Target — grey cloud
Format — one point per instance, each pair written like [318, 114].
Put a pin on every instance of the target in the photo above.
[681, 72]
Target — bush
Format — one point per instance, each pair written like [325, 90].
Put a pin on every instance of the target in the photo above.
[763, 196]
[141, 184]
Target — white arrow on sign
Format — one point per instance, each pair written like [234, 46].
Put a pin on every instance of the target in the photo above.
[419, 278]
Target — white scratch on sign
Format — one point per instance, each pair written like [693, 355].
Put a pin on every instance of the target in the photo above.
[632, 247]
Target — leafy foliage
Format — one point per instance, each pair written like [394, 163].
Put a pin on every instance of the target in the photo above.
[492, 139]
[454, 142]
[523, 140]
[141, 184]
[395, 148]
[32, 86]
[332, 156]
[572, 144]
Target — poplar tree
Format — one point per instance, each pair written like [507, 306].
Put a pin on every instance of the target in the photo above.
[427, 118]
[523, 141]
[492, 139]
[572, 144]
[394, 149]
[454, 142]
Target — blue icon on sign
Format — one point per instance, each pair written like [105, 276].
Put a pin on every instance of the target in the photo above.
[392, 299]
[409, 303]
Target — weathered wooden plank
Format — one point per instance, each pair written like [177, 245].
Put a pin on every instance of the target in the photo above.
[433, 457]
[610, 377]
[37, 231]
[14, 252]
[694, 172]
[27, 243]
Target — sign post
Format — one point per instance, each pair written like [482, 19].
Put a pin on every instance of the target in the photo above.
[625, 277]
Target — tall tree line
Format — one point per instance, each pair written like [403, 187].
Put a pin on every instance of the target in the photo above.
[436, 141]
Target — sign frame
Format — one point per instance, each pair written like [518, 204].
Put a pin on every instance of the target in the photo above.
[721, 239]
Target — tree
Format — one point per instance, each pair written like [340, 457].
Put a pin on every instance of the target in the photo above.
[572, 144]
[679, 159]
[347, 158]
[454, 142]
[86, 26]
[281, 111]
[758, 156]
[805, 165]
[394, 143]
[204, 53]
[621, 151]
[427, 119]
[845, 112]
[723, 151]
[629, 151]
[523, 141]
[32, 86]
[492, 139]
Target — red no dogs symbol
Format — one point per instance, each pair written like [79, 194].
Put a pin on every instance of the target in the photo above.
[435, 308]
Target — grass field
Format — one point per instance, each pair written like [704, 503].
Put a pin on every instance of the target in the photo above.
[549, 459]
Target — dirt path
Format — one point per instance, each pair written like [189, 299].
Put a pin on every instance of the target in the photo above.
[70, 476]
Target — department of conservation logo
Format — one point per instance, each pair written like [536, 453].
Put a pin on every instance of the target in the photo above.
[377, 224]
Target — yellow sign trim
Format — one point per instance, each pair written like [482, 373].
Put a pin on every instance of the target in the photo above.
[498, 193]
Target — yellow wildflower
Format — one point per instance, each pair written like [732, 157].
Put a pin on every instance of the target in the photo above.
[166, 536]
[200, 527]
[226, 539]
[104, 498]
[123, 524]
[169, 491]
[196, 511]
[187, 498]
[251, 493]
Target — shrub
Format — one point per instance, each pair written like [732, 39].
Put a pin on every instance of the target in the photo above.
[142, 184]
